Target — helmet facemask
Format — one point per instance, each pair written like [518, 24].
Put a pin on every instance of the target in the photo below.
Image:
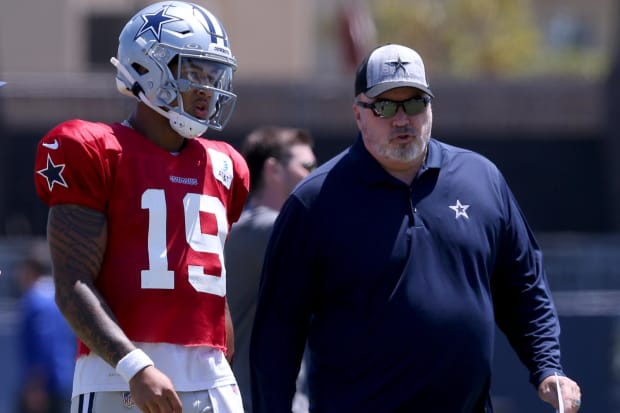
[212, 79]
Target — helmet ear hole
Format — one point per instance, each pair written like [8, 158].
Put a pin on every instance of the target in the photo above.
[139, 68]
[173, 62]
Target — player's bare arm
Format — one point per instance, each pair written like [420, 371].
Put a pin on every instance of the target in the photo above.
[77, 237]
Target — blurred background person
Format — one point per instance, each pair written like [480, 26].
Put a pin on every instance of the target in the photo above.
[278, 158]
[47, 345]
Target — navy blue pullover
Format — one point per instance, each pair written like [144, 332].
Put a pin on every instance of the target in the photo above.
[397, 288]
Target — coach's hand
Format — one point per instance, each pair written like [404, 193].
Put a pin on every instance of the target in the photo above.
[571, 393]
[153, 392]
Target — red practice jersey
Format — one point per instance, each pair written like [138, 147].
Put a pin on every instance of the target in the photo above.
[168, 217]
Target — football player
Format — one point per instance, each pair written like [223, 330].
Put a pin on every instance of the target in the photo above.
[139, 211]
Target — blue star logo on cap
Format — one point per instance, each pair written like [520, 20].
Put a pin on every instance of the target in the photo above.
[53, 173]
[153, 22]
[398, 64]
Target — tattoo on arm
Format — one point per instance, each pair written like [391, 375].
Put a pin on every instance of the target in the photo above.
[77, 238]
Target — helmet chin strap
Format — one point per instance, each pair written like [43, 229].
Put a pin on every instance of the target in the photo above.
[183, 125]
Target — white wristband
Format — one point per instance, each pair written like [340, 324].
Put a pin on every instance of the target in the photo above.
[132, 363]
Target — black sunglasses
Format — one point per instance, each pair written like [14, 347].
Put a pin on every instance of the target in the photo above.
[388, 108]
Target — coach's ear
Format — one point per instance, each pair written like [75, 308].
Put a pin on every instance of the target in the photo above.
[357, 113]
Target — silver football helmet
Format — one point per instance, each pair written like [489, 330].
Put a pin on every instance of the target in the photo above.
[170, 47]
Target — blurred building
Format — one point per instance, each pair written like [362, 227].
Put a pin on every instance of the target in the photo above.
[272, 39]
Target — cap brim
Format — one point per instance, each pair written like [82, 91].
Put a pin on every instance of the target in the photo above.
[2, 83]
[376, 90]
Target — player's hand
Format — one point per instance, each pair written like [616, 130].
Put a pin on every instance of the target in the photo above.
[571, 393]
[153, 392]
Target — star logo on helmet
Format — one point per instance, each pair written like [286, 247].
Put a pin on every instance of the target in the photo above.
[53, 173]
[153, 22]
[397, 64]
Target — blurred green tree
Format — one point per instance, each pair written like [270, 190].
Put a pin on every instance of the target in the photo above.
[470, 38]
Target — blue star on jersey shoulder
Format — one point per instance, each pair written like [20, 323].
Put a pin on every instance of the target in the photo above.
[53, 173]
[154, 21]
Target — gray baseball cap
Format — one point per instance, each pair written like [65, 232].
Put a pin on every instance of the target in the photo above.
[388, 67]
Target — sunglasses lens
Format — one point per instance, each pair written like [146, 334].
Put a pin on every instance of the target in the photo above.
[414, 106]
[386, 108]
